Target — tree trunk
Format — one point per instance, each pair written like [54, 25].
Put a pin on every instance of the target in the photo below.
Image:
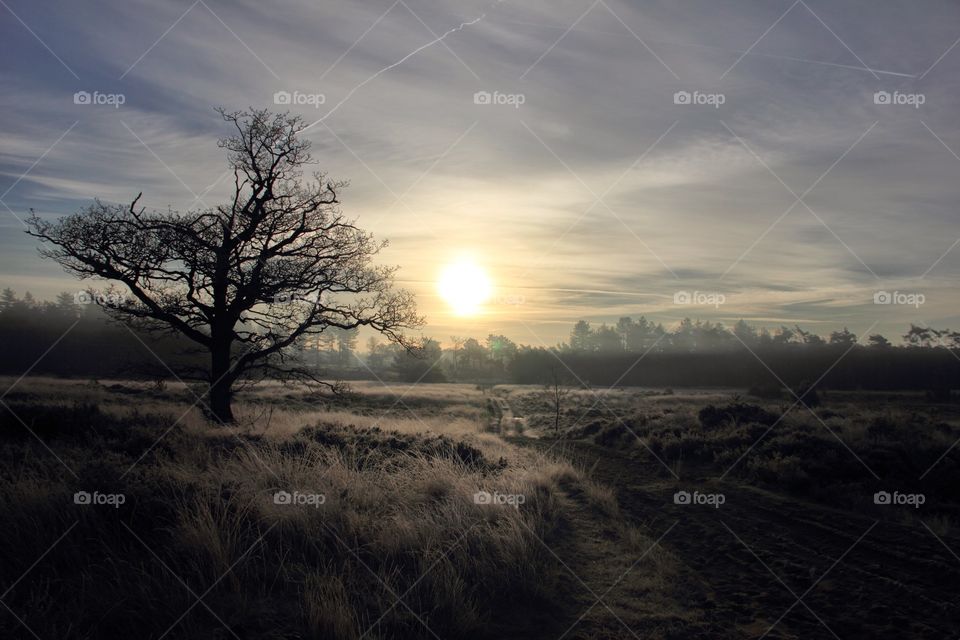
[220, 398]
[221, 382]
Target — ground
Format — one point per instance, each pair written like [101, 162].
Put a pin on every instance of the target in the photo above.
[401, 546]
[779, 558]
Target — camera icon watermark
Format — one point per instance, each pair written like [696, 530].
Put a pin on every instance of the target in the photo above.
[899, 499]
[298, 98]
[299, 499]
[510, 499]
[912, 299]
[699, 98]
[701, 298]
[285, 297]
[714, 500]
[914, 100]
[514, 100]
[99, 499]
[96, 98]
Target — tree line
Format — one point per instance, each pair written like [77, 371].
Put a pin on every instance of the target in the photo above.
[692, 353]
[695, 353]
[639, 336]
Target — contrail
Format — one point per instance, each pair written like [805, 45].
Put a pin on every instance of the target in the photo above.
[460, 27]
[832, 64]
[703, 46]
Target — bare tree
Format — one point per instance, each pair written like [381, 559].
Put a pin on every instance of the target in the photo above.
[556, 391]
[247, 281]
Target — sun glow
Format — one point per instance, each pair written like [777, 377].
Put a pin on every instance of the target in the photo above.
[464, 286]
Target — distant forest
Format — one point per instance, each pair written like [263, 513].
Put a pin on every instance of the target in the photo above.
[73, 336]
[704, 354]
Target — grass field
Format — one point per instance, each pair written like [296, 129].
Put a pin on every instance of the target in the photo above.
[840, 452]
[449, 511]
[837, 520]
[314, 516]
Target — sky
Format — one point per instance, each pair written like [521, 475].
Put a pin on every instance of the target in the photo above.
[784, 162]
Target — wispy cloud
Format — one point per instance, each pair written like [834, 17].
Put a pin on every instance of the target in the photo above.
[398, 86]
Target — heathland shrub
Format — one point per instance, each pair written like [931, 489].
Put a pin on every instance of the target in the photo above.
[736, 413]
[808, 395]
[374, 445]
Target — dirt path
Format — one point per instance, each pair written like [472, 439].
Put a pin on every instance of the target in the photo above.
[857, 578]
[503, 420]
[609, 585]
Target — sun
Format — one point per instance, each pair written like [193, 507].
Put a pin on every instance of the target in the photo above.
[464, 286]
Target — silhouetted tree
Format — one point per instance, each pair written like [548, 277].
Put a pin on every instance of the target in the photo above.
[844, 338]
[420, 363]
[502, 349]
[784, 335]
[66, 304]
[877, 340]
[606, 340]
[556, 391]
[809, 338]
[346, 340]
[250, 280]
[950, 339]
[376, 353]
[920, 336]
[580, 337]
[746, 333]
[8, 298]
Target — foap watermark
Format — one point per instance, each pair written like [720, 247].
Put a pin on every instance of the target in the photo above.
[699, 98]
[700, 298]
[299, 98]
[299, 499]
[912, 299]
[102, 299]
[512, 499]
[710, 499]
[96, 98]
[511, 300]
[497, 98]
[99, 499]
[900, 499]
[898, 98]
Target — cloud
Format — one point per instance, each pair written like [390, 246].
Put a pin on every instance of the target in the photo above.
[689, 206]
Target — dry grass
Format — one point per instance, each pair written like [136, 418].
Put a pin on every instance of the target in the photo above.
[398, 513]
[899, 436]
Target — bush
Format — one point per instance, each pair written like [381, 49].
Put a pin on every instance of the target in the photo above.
[881, 427]
[373, 445]
[938, 394]
[808, 395]
[51, 421]
[736, 413]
